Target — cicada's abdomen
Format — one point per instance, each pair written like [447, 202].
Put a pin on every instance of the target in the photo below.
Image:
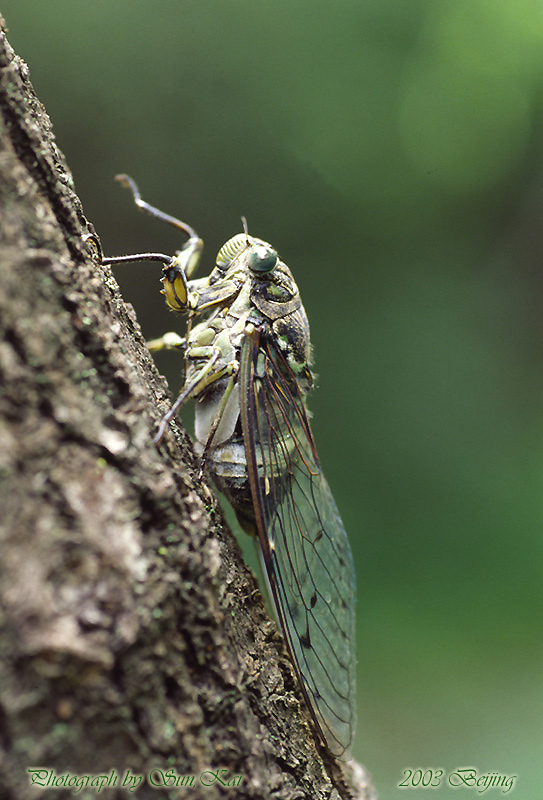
[226, 460]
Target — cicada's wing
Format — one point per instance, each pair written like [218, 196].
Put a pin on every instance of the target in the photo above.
[303, 542]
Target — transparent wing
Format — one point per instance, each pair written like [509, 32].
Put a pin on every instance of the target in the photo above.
[303, 542]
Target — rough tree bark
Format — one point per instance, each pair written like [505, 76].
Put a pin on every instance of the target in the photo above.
[132, 637]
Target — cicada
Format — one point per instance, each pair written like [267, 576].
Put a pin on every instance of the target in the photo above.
[247, 358]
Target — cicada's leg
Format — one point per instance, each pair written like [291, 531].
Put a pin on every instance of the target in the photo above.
[204, 378]
[217, 420]
[93, 245]
[170, 341]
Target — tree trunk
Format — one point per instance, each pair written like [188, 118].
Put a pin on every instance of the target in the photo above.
[133, 639]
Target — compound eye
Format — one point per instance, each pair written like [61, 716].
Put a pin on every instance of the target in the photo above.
[262, 259]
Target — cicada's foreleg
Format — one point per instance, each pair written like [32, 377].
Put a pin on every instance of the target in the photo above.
[170, 341]
[204, 378]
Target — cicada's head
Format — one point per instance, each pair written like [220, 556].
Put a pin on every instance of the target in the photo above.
[246, 252]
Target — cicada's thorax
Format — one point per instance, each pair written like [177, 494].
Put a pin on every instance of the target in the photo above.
[271, 302]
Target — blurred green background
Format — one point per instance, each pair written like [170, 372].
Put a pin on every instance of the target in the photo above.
[392, 152]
